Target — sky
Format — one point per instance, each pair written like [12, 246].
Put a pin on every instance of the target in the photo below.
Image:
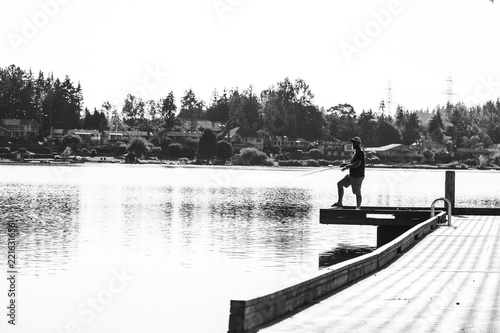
[347, 51]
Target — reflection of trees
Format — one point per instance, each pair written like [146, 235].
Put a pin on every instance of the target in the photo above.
[247, 219]
[47, 219]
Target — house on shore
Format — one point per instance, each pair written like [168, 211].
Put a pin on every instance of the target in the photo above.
[89, 137]
[22, 154]
[335, 150]
[242, 137]
[290, 143]
[112, 137]
[465, 153]
[199, 125]
[4, 133]
[19, 128]
[434, 147]
[182, 137]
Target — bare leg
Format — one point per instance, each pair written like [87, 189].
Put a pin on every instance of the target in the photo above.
[340, 189]
[358, 200]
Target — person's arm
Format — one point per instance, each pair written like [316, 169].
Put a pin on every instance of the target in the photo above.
[355, 164]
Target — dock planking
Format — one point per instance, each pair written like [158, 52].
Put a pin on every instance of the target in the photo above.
[249, 315]
[448, 282]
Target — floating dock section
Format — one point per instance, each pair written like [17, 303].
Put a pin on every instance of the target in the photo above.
[391, 222]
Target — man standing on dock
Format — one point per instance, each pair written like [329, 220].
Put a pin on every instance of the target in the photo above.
[355, 176]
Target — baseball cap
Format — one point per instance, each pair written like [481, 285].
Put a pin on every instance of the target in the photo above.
[356, 139]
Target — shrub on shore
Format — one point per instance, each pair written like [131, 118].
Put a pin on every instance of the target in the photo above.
[471, 162]
[84, 152]
[315, 153]
[252, 156]
[290, 163]
[174, 150]
[155, 151]
[224, 150]
[138, 146]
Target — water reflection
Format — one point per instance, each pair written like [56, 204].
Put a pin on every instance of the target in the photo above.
[47, 220]
[264, 224]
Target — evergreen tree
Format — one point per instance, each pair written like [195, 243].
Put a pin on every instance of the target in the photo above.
[387, 133]
[88, 121]
[167, 111]
[436, 128]
[332, 119]
[191, 108]
[348, 119]
[219, 107]
[237, 117]
[252, 109]
[367, 128]
[411, 130]
[207, 146]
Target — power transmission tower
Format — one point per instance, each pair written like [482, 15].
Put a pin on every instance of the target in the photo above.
[449, 89]
[388, 102]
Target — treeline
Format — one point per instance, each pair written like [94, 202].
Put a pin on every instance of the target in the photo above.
[285, 108]
[51, 101]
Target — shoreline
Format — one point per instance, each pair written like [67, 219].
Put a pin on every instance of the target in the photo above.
[177, 164]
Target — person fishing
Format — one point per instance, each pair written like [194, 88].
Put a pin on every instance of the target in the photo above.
[356, 174]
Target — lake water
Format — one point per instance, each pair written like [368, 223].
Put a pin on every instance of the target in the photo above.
[137, 248]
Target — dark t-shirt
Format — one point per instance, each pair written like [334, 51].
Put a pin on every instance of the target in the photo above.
[359, 155]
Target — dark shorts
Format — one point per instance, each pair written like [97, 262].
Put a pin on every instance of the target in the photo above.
[355, 182]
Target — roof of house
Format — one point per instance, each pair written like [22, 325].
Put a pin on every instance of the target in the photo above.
[284, 138]
[136, 133]
[213, 125]
[433, 144]
[473, 151]
[183, 133]
[4, 128]
[392, 146]
[17, 122]
[243, 132]
[84, 131]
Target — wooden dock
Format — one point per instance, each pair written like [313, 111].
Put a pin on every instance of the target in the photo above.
[448, 282]
[249, 314]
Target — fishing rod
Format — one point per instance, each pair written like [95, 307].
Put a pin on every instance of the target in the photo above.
[310, 173]
[330, 167]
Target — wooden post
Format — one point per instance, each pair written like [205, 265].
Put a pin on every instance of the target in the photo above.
[449, 190]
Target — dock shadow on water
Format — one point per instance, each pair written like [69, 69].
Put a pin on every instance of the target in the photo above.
[342, 253]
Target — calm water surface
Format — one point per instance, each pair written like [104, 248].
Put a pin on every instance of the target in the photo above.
[116, 248]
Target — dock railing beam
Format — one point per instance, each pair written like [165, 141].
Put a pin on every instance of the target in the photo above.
[449, 189]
